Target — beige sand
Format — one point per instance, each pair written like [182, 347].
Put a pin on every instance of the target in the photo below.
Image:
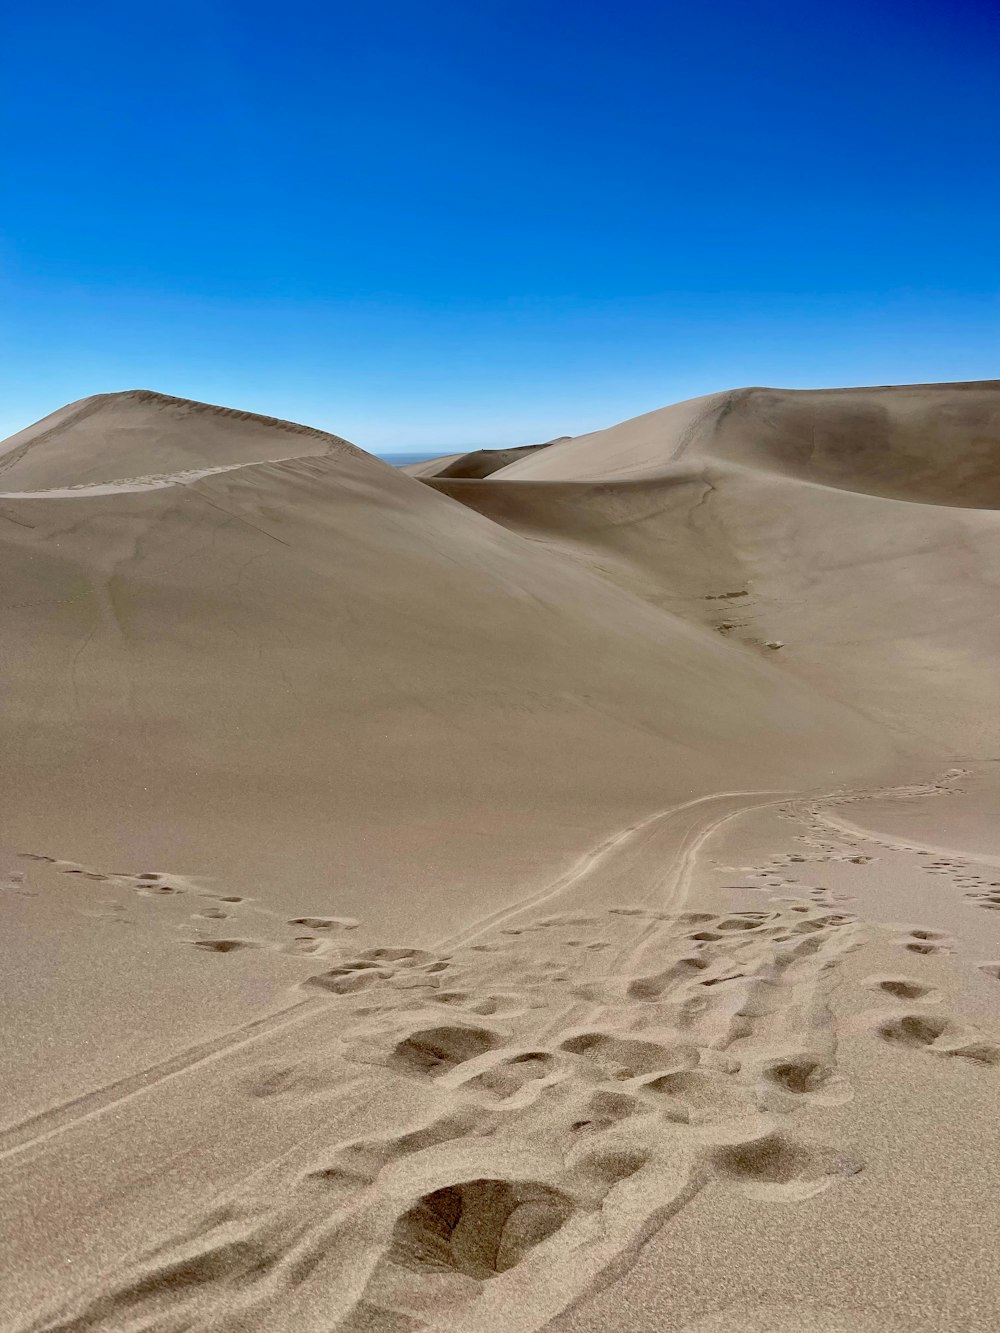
[455, 916]
[476, 464]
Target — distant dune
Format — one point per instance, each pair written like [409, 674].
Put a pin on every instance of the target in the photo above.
[934, 443]
[477, 464]
[543, 887]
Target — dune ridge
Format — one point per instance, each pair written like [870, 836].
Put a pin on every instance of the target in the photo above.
[934, 443]
[114, 430]
[476, 464]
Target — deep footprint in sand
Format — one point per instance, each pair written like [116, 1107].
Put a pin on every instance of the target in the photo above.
[398, 957]
[478, 1227]
[903, 988]
[787, 1080]
[225, 946]
[348, 978]
[776, 1167]
[433, 1051]
[325, 922]
[938, 1035]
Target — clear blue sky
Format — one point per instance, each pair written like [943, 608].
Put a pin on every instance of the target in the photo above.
[475, 222]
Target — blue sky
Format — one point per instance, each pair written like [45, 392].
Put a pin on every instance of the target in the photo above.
[436, 223]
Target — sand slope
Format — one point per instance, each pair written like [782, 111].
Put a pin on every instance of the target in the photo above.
[430, 905]
[857, 528]
[931, 442]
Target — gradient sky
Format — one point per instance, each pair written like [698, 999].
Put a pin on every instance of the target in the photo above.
[448, 223]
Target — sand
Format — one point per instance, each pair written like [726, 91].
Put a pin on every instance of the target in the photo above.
[559, 890]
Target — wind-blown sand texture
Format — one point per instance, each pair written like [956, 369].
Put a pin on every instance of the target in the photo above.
[560, 894]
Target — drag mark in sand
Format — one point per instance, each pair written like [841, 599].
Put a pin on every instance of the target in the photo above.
[69, 1115]
[598, 856]
[567, 1085]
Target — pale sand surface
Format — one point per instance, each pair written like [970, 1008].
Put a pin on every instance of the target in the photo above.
[423, 915]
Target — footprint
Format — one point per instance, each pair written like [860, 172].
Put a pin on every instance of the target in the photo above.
[937, 1035]
[513, 1073]
[479, 1227]
[459, 997]
[741, 923]
[224, 946]
[435, 1051]
[318, 922]
[903, 988]
[787, 1080]
[400, 957]
[923, 941]
[348, 978]
[597, 1169]
[627, 1057]
[606, 1108]
[775, 1167]
[150, 884]
[303, 944]
[991, 969]
[693, 1095]
[481, 1004]
[652, 987]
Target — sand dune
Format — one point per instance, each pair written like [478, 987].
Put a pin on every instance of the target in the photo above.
[434, 902]
[856, 528]
[935, 443]
[476, 464]
[115, 436]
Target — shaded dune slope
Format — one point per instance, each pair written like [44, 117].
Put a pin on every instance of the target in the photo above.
[319, 665]
[768, 516]
[937, 443]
